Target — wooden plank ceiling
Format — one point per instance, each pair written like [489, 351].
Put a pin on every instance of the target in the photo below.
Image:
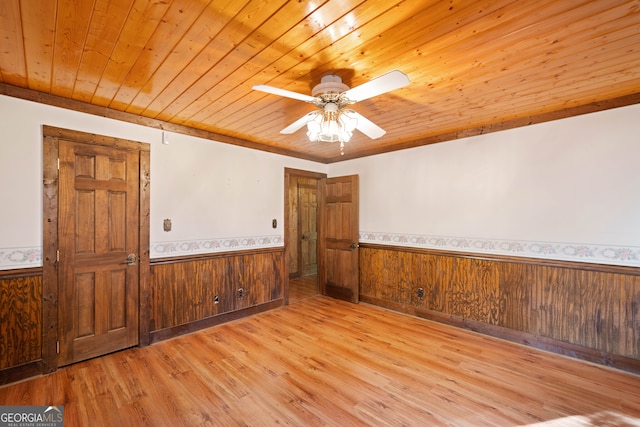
[188, 66]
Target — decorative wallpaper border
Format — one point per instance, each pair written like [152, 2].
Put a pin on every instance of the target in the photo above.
[599, 254]
[193, 247]
[11, 258]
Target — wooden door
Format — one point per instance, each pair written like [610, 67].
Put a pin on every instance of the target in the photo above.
[338, 267]
[292, 225]
[98, 243]
[308, 203]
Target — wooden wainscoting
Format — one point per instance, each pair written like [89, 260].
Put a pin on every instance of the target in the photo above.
[582, 310]
[190, 293]
[20, 323]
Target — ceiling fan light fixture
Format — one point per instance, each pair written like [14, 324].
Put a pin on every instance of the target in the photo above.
[331, 125]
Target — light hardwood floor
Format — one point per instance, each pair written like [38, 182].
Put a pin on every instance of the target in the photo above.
[324, 362]
[302, 288]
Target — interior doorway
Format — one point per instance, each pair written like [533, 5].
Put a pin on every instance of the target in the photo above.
[301, 224]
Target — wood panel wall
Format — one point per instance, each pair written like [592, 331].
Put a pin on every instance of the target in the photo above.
[564, 305]
[594, 307]
[20, 317]
[191, 292]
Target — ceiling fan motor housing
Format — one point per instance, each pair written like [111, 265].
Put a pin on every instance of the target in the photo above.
[329, 84]
[330, 90]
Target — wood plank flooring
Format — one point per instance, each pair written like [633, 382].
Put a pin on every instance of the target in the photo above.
[325, 362]
[302, 288]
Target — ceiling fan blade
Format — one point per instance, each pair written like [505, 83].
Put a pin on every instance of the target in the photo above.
[298, 123]
[385, 83]
[283, 92]
[366, 126]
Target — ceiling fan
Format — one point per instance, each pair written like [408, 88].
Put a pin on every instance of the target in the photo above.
[333, 121]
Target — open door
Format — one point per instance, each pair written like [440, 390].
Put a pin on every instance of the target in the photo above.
[338, 273]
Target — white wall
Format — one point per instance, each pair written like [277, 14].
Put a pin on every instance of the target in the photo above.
[568, 189]
[219, 197]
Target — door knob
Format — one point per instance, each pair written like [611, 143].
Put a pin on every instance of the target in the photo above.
[354, 245]
[131, 259]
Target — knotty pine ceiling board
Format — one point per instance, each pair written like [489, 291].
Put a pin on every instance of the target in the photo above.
[189, 66]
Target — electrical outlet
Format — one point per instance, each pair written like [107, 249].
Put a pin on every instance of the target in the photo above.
[421, 293]
[216, 299]
[240, 293]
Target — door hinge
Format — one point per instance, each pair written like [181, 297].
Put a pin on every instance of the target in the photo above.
[57, 255]
[58, 163]
[57, 347]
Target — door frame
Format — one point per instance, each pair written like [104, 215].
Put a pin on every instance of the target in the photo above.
[50, 144]
[288, 173]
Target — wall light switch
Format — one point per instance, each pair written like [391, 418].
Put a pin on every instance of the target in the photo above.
[274, 223]
[167, 224]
